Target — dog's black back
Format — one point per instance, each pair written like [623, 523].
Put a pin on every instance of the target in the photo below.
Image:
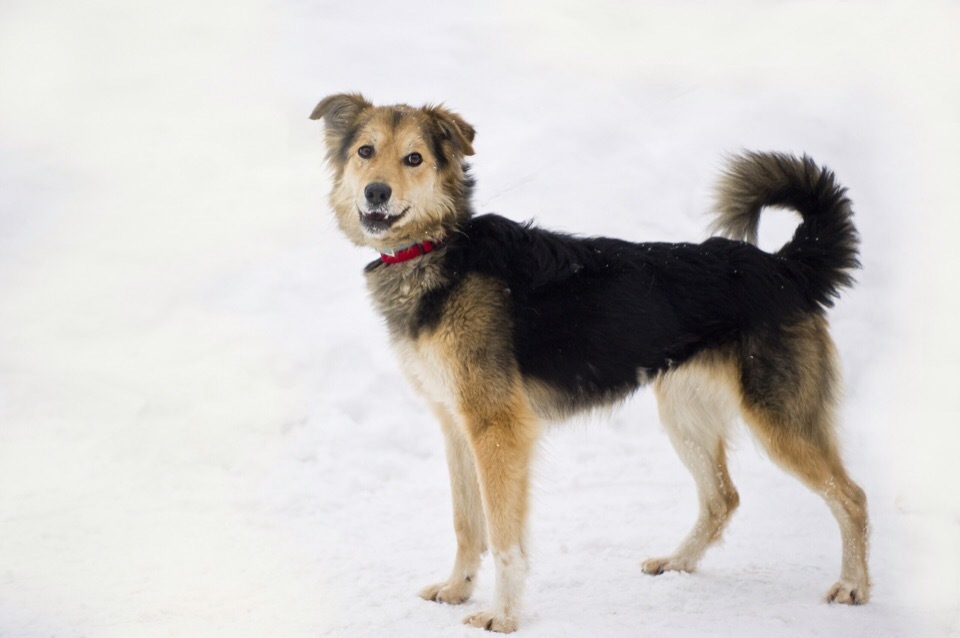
[600, 316]
[594, 318]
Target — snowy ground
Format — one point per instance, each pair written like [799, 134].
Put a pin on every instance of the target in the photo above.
[201, 430]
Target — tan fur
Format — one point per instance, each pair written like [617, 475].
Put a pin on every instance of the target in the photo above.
[795, 423]
[419, 190]
[784, 384]
[797, 429]
[698, 402]
[425, 193]
[460, 366]
[469, 522]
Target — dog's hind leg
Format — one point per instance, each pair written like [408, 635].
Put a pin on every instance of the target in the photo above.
[789, 398]
[697, 402]
[818, 465]
[468, 520]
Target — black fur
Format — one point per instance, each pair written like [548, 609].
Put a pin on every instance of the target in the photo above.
[595, 317]
[823, 251]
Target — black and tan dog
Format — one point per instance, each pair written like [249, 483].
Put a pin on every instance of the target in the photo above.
[502, 325]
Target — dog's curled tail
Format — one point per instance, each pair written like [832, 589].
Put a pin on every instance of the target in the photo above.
[823, 250]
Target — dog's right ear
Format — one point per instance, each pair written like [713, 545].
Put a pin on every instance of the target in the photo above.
[339, 113]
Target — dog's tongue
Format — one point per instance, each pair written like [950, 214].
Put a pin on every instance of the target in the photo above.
[377, 217]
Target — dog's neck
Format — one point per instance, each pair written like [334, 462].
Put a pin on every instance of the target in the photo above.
[410, 252]
[397, 289]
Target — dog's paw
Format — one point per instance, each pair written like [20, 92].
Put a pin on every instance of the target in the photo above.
[491, 622]
[847, 593]
[447, 592]
[656, 566]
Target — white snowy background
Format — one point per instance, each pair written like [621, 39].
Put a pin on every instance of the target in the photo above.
[202, 431]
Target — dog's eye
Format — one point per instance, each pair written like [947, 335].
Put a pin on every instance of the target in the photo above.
[413, 159]
[366, 152]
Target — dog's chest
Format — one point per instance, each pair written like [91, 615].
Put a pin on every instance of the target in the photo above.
[427, 369]
[398, 292]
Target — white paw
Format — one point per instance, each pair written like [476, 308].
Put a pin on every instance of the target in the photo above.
[848, 593]
[491, 622]
[656, 566]
[447, 592]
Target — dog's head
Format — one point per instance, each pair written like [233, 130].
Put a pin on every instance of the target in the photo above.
[399, 175]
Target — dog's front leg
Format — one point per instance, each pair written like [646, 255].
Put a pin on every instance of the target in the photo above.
[468, 521]
[502, 438]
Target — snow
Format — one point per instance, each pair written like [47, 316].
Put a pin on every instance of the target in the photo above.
[202, 431]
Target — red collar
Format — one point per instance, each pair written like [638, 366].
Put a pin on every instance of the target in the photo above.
[409, 253]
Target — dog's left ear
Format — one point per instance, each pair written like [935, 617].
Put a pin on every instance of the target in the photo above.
[452, 128]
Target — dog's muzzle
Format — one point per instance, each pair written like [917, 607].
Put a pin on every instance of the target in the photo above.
[377, 219]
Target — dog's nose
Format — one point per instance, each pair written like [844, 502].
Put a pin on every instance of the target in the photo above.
[377, 193]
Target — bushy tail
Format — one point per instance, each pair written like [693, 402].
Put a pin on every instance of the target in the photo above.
[823, 251]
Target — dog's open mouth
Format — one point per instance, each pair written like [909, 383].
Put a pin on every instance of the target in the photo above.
[378, 222]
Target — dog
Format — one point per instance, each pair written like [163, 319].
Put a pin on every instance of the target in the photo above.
[502, 326]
